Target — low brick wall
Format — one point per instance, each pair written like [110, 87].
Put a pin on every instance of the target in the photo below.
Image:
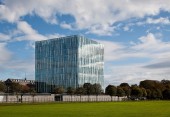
[53, 98]
[27, 98]
[92, 98]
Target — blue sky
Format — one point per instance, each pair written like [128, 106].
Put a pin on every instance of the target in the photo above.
[136, 35]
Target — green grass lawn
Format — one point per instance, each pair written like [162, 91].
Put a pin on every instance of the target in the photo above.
[100, 109]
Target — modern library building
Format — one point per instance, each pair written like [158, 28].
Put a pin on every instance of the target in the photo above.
[68, 62]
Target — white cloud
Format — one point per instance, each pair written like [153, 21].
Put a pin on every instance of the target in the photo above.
[98, 19]
[133, 74]
[24, 31]
[66, 26]
[27, 32]
[126, 28]
[4, 37]
[55, 35]
[5, 53]
[160, 20]
[110, 48]
[154, 47]
[16, 68]
[150, 47]
[103, 29]
[25, 28]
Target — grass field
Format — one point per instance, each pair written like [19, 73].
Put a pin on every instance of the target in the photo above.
[100, 109]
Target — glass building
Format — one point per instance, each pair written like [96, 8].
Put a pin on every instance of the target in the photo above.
[68, 62]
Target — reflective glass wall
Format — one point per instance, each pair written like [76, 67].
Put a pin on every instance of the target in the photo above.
[68, 62]
[90, 62]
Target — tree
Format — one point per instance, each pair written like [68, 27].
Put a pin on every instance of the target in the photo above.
[33, 93]
[2, 87]
[97, 89]
[80, 91]
[124, 85]
[127, 91]
[136, 92]
[31, 86]
[88, 89]
[154, 88]
[149, 93]
[156, 94]
[15, 87]
[111, 90]
[166, 84]
[166, 94]
[120, 92]
[58, 90]
[24, 89]
[152, 85]
[126, 88]
[144, 92]
[70, 91]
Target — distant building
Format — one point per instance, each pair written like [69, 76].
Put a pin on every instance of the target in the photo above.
[20, 81]
[68, 62]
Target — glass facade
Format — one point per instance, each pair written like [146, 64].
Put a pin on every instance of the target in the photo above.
[68, 62]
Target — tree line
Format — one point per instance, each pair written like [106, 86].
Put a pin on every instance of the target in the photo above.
[86, 89]
[147, 89]
[16, 88]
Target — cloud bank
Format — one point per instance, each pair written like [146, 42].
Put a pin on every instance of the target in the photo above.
[97, 16]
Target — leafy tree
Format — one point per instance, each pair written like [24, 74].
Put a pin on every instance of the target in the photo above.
[124, 85]
[136, 92]
[58, 90]
[127, 91]
[24, 89]
[31, 86]
[120, 92]
[70, 91]
[97, 89]
[166, 94]
[166, 84]
[151, 84]
[15, 87]
[144, 92]
[149, 93]
[111, 90]
[88, 89]
[156, 94]
[80, 91]
[153, 88]
[126, 88]
[2, 87]
[33, 93]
